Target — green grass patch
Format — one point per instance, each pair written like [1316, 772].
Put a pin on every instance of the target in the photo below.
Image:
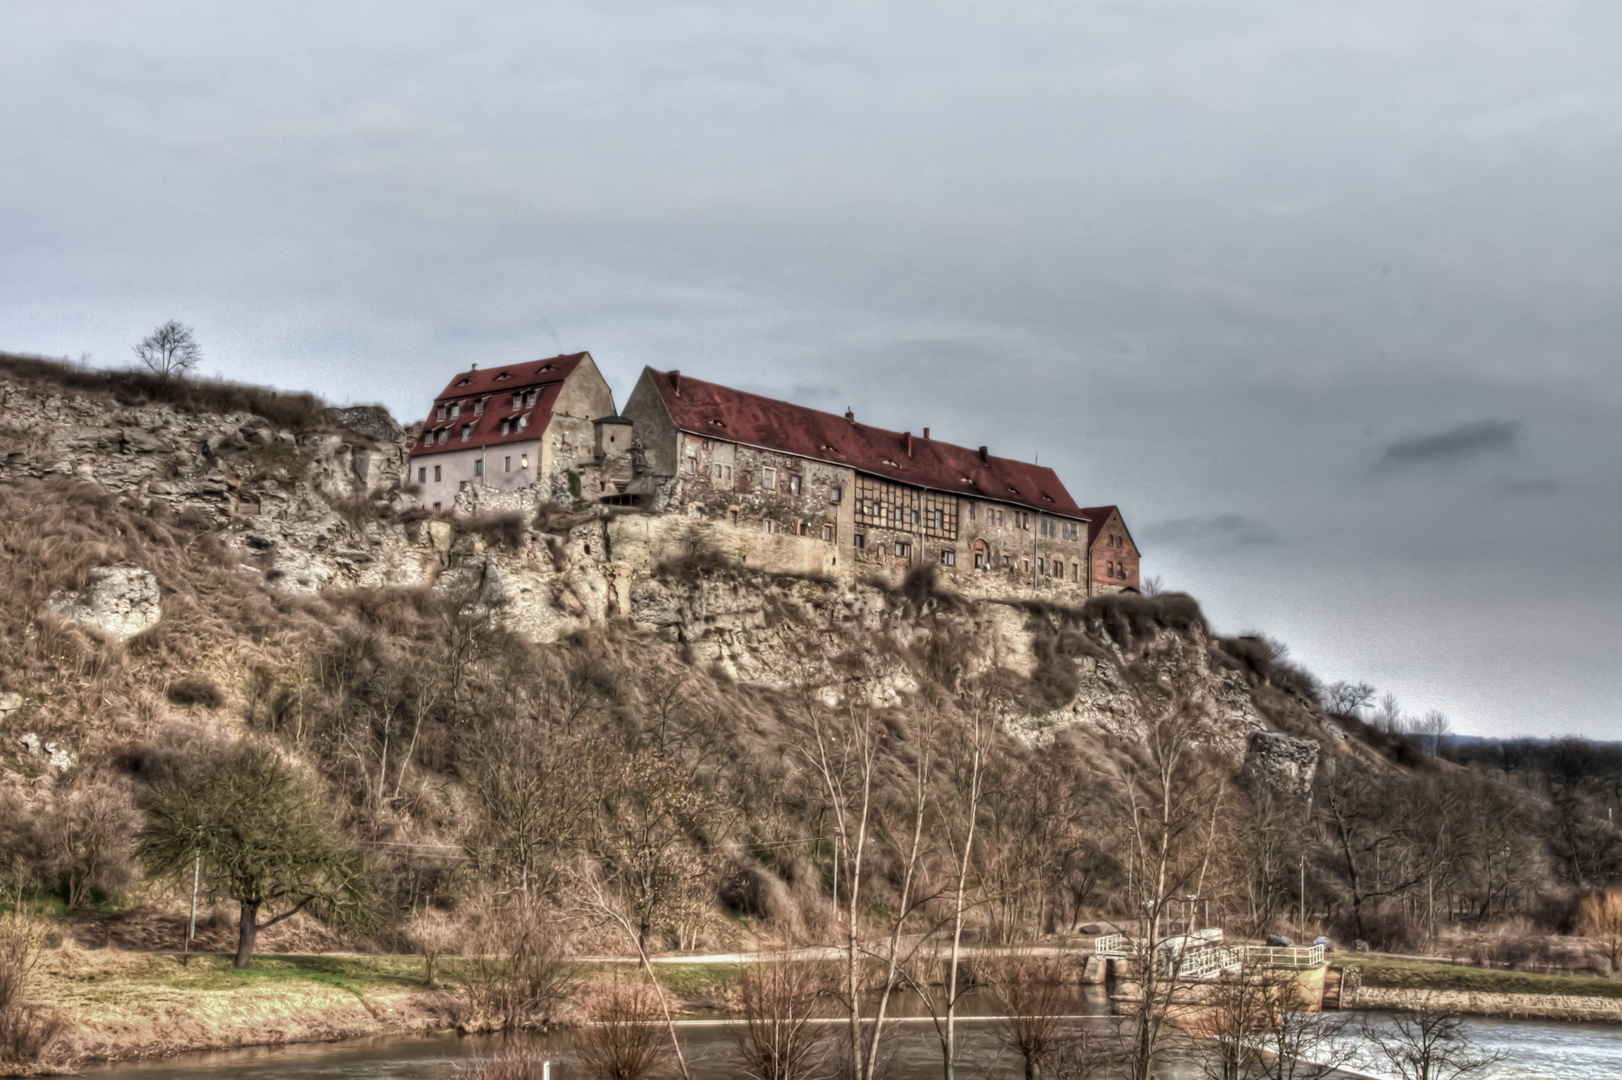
[1428, 975]
[355, 974]
[694, 979]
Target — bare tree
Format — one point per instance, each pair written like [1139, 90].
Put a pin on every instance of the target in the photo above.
[968, 759]
[1036, 993]
[1428, 1044]
[170, 351]
[845, 758]
[1170, 793]
[777, 1003]
[1349, 699]
[1599, 918]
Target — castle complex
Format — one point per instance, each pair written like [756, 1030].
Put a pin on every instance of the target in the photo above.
[872, 499]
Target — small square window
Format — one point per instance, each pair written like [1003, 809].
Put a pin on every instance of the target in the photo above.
[436, 506]
[858, 541]
[834, 494]
[461, 485]
[948, 558]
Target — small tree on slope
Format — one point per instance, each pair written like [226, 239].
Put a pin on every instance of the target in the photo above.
[265, 838]
[170, 351]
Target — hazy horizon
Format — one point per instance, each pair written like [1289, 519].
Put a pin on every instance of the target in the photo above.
[1324, 298]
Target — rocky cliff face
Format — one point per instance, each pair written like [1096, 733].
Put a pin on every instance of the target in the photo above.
[322, 505]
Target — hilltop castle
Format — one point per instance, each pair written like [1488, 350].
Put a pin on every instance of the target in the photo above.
[870, 498]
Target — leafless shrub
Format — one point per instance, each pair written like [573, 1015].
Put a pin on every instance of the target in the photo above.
[517, 974]
[624, 1037]
[498, 530]
[520, 1059]
[777, 1002]
[195, 691]
[1599, 918]
[89, 838]
[435, 935]
[26, 1034]
[1126, 617]
[1427, 1044]
[1036, 994]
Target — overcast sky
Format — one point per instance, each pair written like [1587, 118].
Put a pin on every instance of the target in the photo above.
[1325, 295]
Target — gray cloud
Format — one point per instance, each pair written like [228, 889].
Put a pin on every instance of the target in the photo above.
[1469, 440]
[1180, 251]
[1222, 532]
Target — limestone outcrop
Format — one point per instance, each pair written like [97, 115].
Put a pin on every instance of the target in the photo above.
[117, 602]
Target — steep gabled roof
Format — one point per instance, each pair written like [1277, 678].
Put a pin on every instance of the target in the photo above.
[476, 383]
[1098, 517]
[720, 412]
[545, 377]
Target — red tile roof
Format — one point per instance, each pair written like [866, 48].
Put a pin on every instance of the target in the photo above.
[720, 412]
[545, 377]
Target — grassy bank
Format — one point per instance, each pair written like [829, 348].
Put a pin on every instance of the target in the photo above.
[1398, 974]
[122, 1005]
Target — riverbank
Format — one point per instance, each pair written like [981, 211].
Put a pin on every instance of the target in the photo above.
[122, 1006]
[125, 1006]
[1382, 983]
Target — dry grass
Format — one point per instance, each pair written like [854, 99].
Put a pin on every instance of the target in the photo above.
[298, 412]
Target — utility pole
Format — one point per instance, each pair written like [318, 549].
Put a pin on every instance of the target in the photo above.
[191, 929]
[837, 833]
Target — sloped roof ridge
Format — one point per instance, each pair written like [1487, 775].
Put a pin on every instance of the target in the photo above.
[722, 412]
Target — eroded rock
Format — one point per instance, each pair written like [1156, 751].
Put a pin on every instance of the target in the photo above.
[118, 601]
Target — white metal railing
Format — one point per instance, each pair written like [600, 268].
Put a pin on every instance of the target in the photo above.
[1112, 946]
[1295, 956]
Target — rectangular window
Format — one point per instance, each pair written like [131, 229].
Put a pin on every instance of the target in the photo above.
[858, 541]
[1109, 569]
[436, 506]
[478, 407]
[456, 409]
[505, 425]
[518, 402]
[436, 474]
[746, 482]
[439, 413]
[800, 528]
[768, 525]
[903, 550]
[828, 532]
[467, 432]
[718, 472]
[940, 519]
[478, 467]
[834, 494]
[768, 479]
[507, 463]
[793, 483]
[948, 558]
[461, 485]
[692, 465]
[732, 516]
[728, 475]
[422, 475]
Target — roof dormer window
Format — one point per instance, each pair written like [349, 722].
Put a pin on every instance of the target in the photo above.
[439, 413]
[467, 432]
[456, 409]
[892, 464]
[523, 422]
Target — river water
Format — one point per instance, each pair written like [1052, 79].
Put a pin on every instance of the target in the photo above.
[1534, 1050]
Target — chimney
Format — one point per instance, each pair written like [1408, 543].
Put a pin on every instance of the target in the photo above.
[475, 367]
[850, 416]
[983, 456]
[926, 433]
[906, 440]
[675, 382]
